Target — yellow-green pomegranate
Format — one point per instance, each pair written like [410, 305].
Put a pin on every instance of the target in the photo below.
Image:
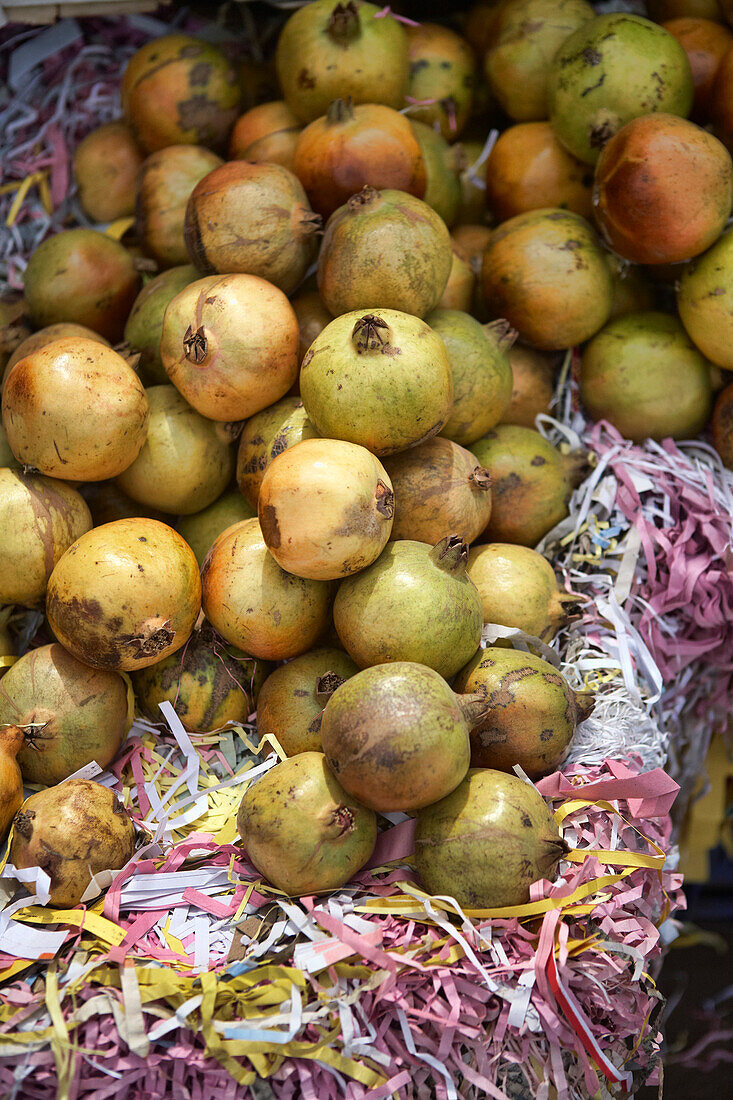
[164, 185]
[325, 508]
[144, 326]
[72, 831]
[443, 188]
[201, 529]
[292, 699]
[266, 435]
[533, 386]
[106, 163]
[71, 713]
[416, 603]
[48, 335]
[40, 518]
[442, 77]
[379, 378]
[531, 711]
[300, 828]
[487, 841]
[125, 595]
[254, 604]
[705, 301]
[397, 736]
[518, 588]
[208, 683]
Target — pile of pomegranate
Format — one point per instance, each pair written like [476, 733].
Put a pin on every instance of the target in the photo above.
[276, 448]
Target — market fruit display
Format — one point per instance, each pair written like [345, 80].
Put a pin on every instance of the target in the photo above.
[164, 186]
[266, 435]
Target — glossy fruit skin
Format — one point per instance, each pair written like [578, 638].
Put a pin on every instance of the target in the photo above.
[529, 169]
[75, 410]
[300, 828]
[533, 386]
[325, 508]
[530, 486]
[291, 702]
[76, 713]
[631, 291]
[442, 182]
[256, 605]
[705, 301]
[349, 147]
[48, 335]
[517, 63]
[267, 133]
[186, 462]
[178, 90]
[40, 517]
[230, 345]
[461, 286]
[705, 44]
[395, 737]
[201, 529]
[387, 612]
[722, 426]
[106, 163]
[266, 435]
[359, 357]
[312, 319]
[72, 831]
[82, 276]
[208, 684]
[140, 563]
[518, 588]
[165, 183]
[252, 219]
[643, 374]
[144, 326]
[442, 68]
[663, 190]
[615, 68]
[545, 273]
[384, 249]
[326, 51]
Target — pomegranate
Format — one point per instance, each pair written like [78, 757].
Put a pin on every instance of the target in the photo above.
[438, 487]
[482, 374]
[481, 24]
[325, 508]
[180, 90]
[351, 146]
[39, 519]
[663, 190]
[253, 219]
[329, 49]
[254, 604]
[72, 831]
[487, 841]
[443, 73]
[397, 736]
[186, 461]
[125, 595]
[144, 326]
[361, 357]
[292, 699]
[474, 240]
[48, 335]
[267, 133]
[106, 163]
[208, 683]
[71, 713]
[75, 410]
[613, 69]
[643, 374]
[461, 286]
[705, 43]
[300, 828]
[165, 183]
[723, 426]
[266, 435]
[705, 301]
[84, 277]
[201, 529]
[528, 169]
[533, 386]
[230, 345]
[442, 186]
[518, 60]
[545, 272]
[7, 458]
[531, 711]
[12, 740]
[389, 611]
[531, 483]
[630, 293]
[13, 327]
[384, 249]
[472, 208]
[518, 588]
